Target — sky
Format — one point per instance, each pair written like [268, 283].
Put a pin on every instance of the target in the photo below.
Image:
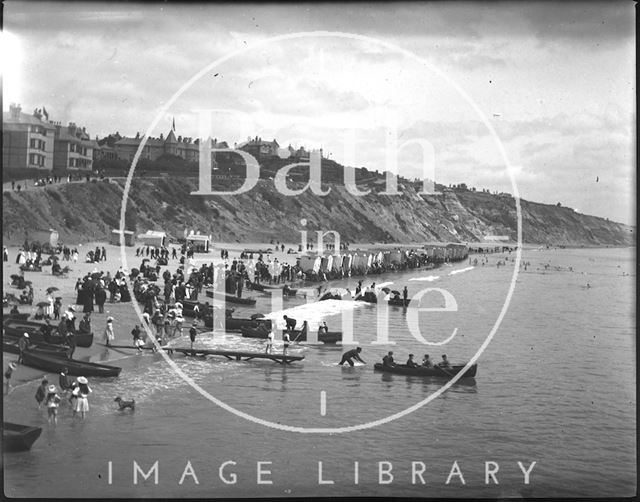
[437, 88]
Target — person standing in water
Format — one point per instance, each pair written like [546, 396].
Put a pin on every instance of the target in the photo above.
[7, 377]
[270, 337]
[82, 392]
[348, 356]
[52, 401]
[41, 393]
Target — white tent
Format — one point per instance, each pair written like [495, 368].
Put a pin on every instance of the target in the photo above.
[114, 238]
[199, 243]
[153, 238]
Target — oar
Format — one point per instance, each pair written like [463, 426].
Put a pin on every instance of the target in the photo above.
[442, 369]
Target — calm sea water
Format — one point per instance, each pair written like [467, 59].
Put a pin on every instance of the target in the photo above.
[556, 386]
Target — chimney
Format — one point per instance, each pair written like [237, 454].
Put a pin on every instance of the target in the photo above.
[72, 128]
[15, 111]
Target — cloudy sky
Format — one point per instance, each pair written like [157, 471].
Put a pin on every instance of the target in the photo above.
[555, 82]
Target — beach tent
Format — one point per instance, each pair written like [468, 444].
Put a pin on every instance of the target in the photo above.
[337, 262]
[114, 238]
[153, 238]
[310, 263]
[327, 263]
[53, 238]
[199, 243]
[346, 263]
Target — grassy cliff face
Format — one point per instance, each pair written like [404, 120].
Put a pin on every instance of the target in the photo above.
[87, 211]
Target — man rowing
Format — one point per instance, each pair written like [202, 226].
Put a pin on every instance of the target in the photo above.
[388, 360]
[348, 356]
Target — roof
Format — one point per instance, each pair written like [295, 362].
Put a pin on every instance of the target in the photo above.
[153, 233]
[136, 142]
[25, 118]
[198, 238]
[62, 134]
[171, 137]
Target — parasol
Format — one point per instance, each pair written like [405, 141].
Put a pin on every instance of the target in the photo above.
[42, 304]
[257, 316]
[51, 289]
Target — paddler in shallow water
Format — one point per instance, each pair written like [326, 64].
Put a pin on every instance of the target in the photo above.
[348, 356]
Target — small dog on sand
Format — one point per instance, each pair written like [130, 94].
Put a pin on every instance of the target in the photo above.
[123, 405]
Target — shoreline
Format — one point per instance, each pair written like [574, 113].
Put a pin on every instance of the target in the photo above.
[124, 313]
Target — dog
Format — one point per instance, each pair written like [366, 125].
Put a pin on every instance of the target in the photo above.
[123, 405]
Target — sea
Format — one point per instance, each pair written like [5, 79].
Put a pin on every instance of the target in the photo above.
[550, 413]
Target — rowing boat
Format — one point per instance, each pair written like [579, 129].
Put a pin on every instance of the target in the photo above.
[434, 371]
[230, 298]
[295, 335]
[23, 316]
[47, 348]
[42, 333]
[55, 364]
[17, 437]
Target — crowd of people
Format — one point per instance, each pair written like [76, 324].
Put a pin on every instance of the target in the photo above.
[76, 393]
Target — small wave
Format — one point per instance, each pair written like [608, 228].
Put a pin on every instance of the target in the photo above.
[428, 278]
[459, 271]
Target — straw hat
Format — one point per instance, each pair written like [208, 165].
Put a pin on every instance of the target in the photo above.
[26, 335]
[52, 388]
[13, 366]
[82, 380]
[109, 319]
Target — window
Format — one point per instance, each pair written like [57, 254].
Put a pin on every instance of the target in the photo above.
[37, 144]
[36, 159]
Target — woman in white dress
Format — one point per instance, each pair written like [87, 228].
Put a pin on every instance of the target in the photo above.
[108, 331]
[81, 392]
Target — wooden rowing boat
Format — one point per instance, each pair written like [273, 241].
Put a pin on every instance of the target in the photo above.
[230, 298]
[434, 371]
[17, 437]
[23, 316]
[54, 364]
[295, 335]
[42, 333]
[47, 348]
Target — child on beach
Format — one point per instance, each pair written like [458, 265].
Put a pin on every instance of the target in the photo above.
[41, 393]
[193, 332]
[81, 392]
[108, 331]
[7, 377]
[52, 401]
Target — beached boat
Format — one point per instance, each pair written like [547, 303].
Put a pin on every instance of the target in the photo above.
[22, 316]
[17, 437]
[435, 371]
[55, 364]
[47, 348]
[42, 333]
[295, 335]
[236, 324]
[230, 298]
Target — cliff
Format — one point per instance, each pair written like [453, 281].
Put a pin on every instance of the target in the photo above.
[87, 211]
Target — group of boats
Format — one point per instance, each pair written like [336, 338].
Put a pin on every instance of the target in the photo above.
[48, 350]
